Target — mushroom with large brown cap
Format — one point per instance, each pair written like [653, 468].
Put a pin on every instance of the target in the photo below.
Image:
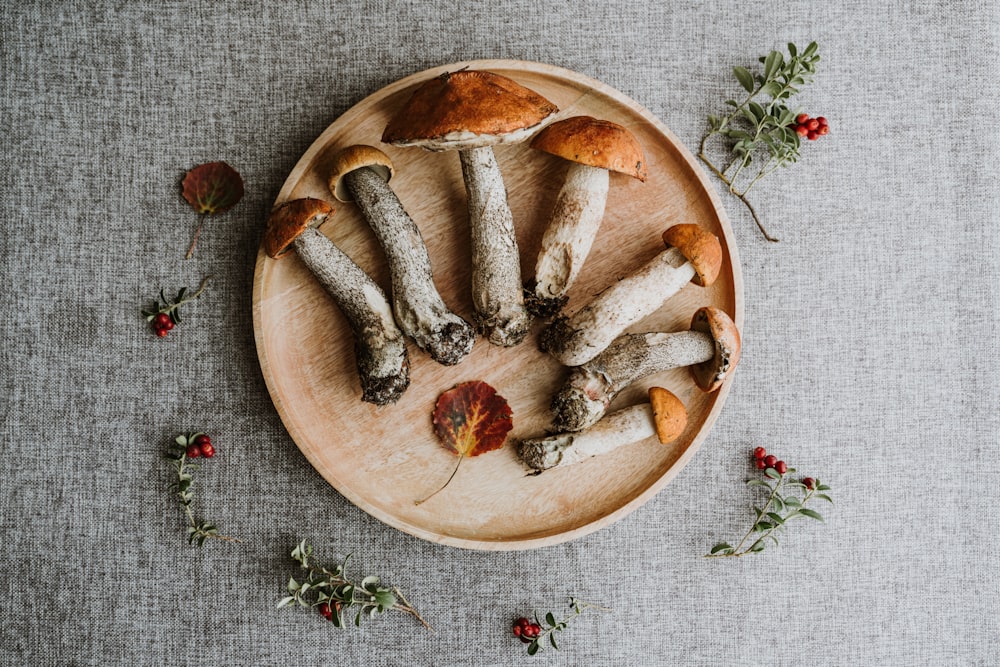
[594, 148]
[692, 254]
[361, 174]
[379, 346]
[711, 350]
[470, 111]
[663, 416]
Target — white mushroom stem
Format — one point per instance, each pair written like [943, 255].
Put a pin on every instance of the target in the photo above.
[575, 220]
[420, 310]
[379, 345]
[591, 329]
[497, 294]
[590, 388]
[624, 427]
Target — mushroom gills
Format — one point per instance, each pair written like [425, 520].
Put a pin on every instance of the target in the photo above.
[624, 427]
[575, 219]
[496, 265]
[380, 348]
[419, 308]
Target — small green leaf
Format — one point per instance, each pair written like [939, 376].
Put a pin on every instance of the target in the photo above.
[810, 50]
[792, 51]
[533, 647]
[758, 546]
[722, 546]
[357, 619]
[772, 64]
[776, 518]
[552, 640]
[757, 482]
[825, 497]
[792, 501]
[284, 602]
[732, 103]
[812, 514]
[772, 473]
[550, 619]
[292, 584]
[181, 440]
[745, 78]
[822, 487]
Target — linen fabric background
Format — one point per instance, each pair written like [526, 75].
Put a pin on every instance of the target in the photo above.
[870, 342]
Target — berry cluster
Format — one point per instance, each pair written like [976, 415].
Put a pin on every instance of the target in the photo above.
[327, 611]
[810, 128]
[162, 324]
[763, 460]
[525, 630]
[200, 445]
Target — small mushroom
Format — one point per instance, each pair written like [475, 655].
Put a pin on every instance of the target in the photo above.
[692, 254]
[594, 148]
[361, 174]
[664, 416]
[470, 111]
[379, 346]
[711, 349]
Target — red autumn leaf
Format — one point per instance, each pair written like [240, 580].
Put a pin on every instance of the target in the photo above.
[471, 419]
[212, 188]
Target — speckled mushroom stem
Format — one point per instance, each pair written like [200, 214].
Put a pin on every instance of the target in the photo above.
[588, 391]
[569, 236]
[623, 427]
[419, 308]
[497, 294]
[379, 345]
[581, 337]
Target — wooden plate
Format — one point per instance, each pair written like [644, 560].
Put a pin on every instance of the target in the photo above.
[383, 459]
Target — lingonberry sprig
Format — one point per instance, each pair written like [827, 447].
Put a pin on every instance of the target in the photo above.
[759, 131]
[166, 313]
[333, 593]
[782, 505]
[187, 447]
[534, 633]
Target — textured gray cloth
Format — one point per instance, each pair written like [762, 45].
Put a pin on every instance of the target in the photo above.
[870, 343]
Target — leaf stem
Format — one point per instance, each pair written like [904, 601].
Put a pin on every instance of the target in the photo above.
[197, 233]
[453, 472]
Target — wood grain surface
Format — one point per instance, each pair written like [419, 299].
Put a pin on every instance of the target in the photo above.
[383, 459]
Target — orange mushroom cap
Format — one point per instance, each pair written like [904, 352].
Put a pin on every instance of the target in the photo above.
[593, 142]
[669, 414]
[291, 219]
[699, 247]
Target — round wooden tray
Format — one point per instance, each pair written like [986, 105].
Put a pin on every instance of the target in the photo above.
[383, 459]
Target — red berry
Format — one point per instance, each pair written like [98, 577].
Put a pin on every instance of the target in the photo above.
[781, 467]
[207, 450]
[193, 451]
[169, 325]
[162, 332]
[823, 129]
[801, 130]
[770, 460]
[325, 610]
[535, 629]
[760, 464]
[523, 622]
[203, 440]
[161, 320]
[812, 136]
[801, 118]
[812, 125]
[516, 630]
[759, 453]
[809, 482]
[822, 121]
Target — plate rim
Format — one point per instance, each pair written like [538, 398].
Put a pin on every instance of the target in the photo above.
[320, 143]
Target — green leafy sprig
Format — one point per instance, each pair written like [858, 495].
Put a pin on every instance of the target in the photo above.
[198, 531]
[759, 130]
[332, 587]
[172, 307]
[551, 626]
[782, 505]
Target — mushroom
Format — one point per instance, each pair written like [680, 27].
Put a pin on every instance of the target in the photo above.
[594, 147]
[379, 346]
[361, 174]
[692, 254]
[470, 111]
[664, 416]
[711, 349]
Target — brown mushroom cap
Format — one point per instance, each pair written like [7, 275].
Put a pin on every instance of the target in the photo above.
[701, 248]
[669, 414]
[466, 109]
[593, 142]
[357, 157]
[291, 219]
[709, 375]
